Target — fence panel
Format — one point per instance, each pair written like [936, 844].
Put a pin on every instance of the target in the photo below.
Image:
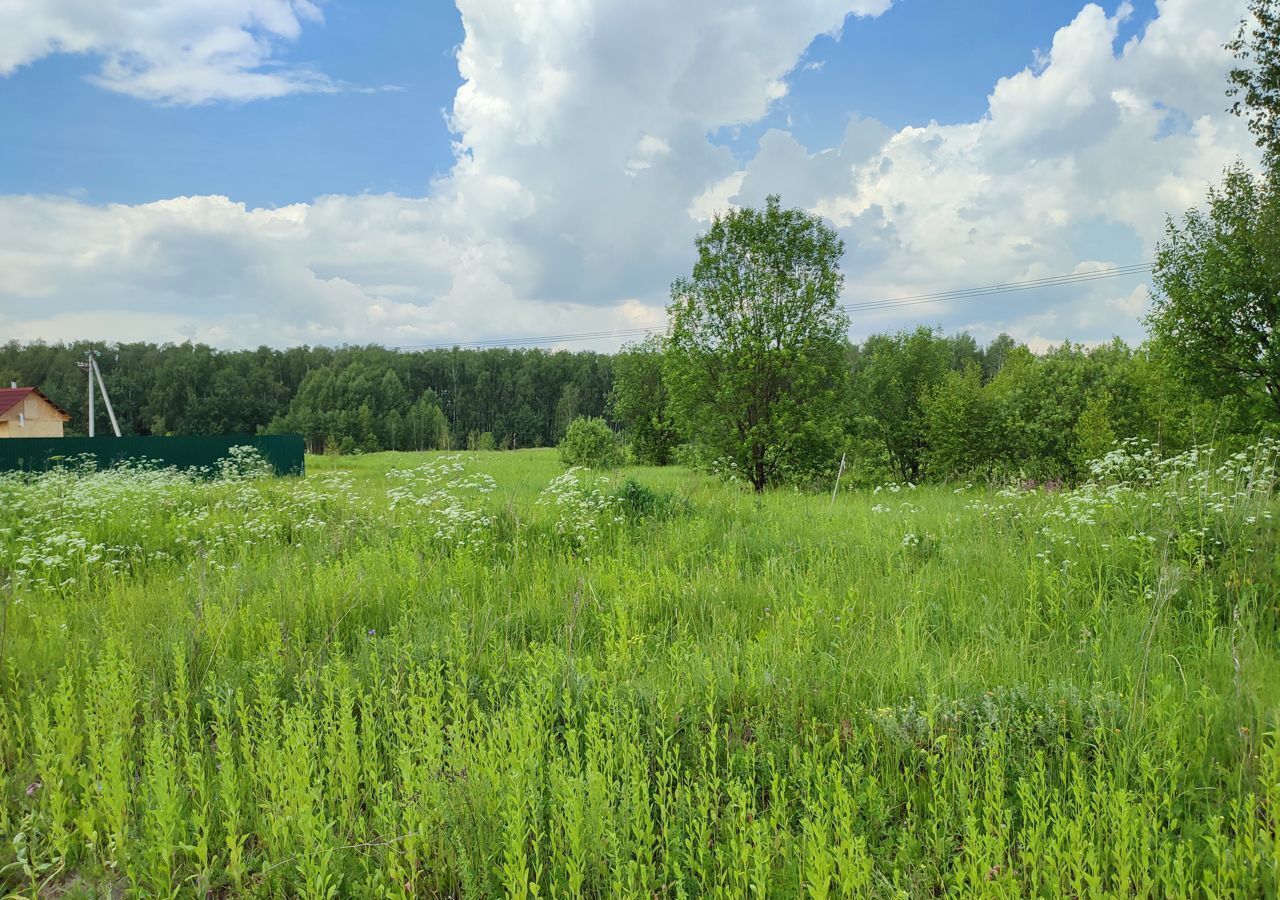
[284, 452]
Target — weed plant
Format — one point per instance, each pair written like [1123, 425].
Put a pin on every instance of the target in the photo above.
[476, 675]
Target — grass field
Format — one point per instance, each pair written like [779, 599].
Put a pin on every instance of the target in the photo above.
[427, 675]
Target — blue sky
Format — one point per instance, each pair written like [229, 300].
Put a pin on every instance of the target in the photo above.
[922, 60]
[322, 171]
[68, 135]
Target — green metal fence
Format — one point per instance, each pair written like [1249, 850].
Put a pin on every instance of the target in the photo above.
[284, 452]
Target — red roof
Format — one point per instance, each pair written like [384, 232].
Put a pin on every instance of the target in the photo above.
[11, 397]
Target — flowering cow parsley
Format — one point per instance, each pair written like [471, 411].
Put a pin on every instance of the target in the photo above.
[78, 524]
[582, 510]
[443, 497]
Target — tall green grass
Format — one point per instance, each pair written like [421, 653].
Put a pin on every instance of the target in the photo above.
[397, 677]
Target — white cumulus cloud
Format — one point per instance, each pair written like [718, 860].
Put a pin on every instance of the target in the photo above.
[1076, 164]
[584, 170]
[168, 51]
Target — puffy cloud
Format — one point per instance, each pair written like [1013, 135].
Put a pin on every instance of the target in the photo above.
[581, 141]
[583, 171]
[340, 269]
[169, 51]
[597, 114]
[1076, 164]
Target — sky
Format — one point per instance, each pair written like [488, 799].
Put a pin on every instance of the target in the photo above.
[414, 173]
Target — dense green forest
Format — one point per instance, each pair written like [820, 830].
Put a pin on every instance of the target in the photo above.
[918, 404]
[770, 390]
[346, 398]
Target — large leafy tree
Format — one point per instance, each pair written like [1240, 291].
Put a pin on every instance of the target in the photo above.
[639, 401]
[755, 358]
[1255, 83]
[960, 424]
[1218, 291]
[894, 375]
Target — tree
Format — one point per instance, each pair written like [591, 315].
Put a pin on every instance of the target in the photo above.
[639, 401]
[425, 426]
[566, 409]
[1255, 84]
[1094, 435]
[1218, 291]
[1039, 399]
[996, 353]
[960, 426]
[756, 352]
[366, 429]
[964, 351]
[591, 442]
[392, 394]
[894, 376]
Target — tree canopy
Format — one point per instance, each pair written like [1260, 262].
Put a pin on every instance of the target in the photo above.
[1217, 275]
[755, 357]
[422, 400]
[1255, 82]
[639, 401]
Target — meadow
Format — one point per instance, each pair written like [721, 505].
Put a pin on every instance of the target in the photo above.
[477, 674]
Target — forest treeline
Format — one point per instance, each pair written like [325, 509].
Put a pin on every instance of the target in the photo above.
[922, 407]
[918, 404]
[343, 399]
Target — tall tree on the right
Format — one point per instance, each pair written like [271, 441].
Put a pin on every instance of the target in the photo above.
[1217, 273]
[1255, 82]
[1217, 301]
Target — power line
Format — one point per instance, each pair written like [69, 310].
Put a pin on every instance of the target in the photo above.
[1009, 288]
[896, 302]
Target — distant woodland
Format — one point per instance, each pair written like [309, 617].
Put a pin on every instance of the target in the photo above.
[345, 399]
[917, 404]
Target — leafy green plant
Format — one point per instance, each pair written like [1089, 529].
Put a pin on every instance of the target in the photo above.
[481, 440]
[640, 501]
[322, 689]
[591, 443]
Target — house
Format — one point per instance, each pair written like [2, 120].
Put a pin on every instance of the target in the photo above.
[25, 412]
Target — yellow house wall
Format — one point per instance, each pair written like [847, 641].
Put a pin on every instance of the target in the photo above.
[41, 428]
[41, 420]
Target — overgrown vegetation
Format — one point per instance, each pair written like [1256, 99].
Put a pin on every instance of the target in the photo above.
[1055, 672]
[590, 442]
[754, 360]
[475, 675]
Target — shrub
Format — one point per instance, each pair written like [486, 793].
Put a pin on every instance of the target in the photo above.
[583, 511]
[242, 463]
[481, 440]
[639, 501]
[590, 442]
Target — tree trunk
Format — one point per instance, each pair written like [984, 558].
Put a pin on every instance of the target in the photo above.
[757, 467]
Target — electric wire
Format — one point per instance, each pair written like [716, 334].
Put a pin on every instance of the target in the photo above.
[970, 293]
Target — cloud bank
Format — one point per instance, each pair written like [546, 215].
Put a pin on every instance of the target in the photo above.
[168, 51]
[584, 169]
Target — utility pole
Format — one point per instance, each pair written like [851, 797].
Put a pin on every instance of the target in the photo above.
[88, 369]
[106, 401]
[91, 369]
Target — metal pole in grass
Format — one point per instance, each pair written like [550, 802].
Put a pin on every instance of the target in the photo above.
[106, 401]
[89, 369]
[839, 472]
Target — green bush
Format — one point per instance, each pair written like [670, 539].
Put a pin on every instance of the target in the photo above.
[481, 440]
[639, 501]
[591, 442]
